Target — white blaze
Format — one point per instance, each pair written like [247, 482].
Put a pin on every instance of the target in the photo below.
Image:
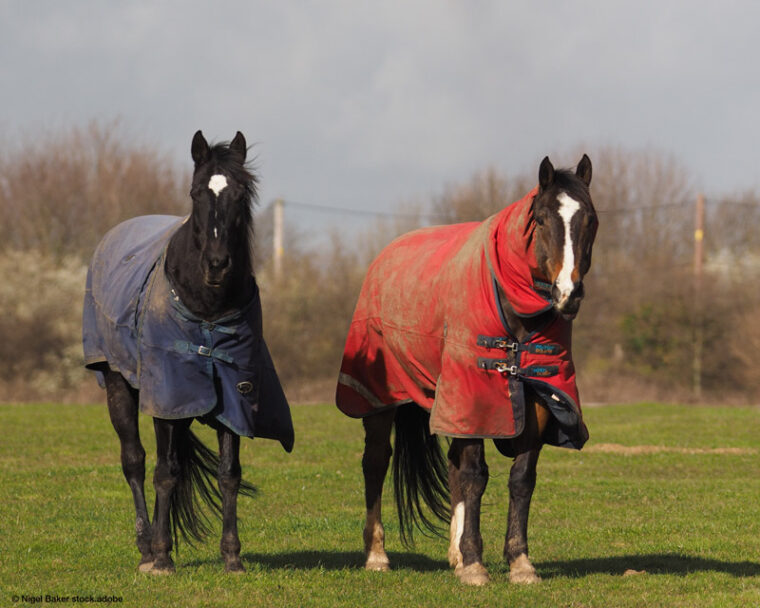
[217, 183]
[567, 208]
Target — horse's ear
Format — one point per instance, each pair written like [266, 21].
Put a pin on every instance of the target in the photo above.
[545, 173]
[199, 148]
[238, 145]
[584, 170]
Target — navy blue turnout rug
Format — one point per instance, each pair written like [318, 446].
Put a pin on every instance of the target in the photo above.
[183, 366]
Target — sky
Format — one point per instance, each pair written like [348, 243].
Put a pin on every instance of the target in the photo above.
[371, 105]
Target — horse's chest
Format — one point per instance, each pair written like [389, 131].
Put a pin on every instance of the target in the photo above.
[189, 367]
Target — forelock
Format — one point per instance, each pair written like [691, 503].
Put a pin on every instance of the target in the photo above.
[567, 181]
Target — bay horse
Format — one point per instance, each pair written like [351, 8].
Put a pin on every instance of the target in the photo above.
[464, 331]
[172, 327]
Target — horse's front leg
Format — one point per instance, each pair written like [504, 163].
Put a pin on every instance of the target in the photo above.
[377, 455]
[165, 480]
[468, 475]
[123, 410]
[229, 484]
[522, 482]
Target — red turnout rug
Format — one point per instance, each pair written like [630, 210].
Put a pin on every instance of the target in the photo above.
[428, 329]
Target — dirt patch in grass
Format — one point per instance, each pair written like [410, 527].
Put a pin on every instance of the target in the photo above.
[635, 450]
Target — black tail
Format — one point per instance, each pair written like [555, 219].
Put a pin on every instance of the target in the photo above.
[197, 486]
[420, 474]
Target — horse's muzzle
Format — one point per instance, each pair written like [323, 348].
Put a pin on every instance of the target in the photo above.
[216, 269]
[569, 305]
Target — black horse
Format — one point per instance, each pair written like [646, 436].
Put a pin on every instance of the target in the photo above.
[172, 326]
[464, 331]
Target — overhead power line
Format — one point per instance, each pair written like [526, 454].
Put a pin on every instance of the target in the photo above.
[429, 215]
[644, 208]
[365, 212]
[735, 203]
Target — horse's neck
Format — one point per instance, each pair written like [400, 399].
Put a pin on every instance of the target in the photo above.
[185, 273]
[522, 327]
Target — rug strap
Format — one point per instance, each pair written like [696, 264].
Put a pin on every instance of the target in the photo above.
[505, 343]
[503, 367]
[184, 347]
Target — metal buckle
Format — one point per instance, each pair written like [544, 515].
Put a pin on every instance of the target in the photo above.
[204, 351]
[513, 346]
[503, 368]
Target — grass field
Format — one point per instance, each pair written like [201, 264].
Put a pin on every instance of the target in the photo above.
[685, 511]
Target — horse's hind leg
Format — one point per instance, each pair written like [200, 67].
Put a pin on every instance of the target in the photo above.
[229, 484]
[123, 410]
[457, 515]
[522, 482]
[468, 477]
[377, 455]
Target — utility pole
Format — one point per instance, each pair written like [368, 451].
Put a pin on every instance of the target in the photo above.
[699, 237]
[277, 237]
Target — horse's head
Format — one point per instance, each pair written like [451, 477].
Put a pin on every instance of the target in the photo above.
[564, 224]
[223, 191]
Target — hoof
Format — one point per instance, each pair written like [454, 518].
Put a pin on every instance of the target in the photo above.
[235, 567]
[524, 578]
[162, 571]
[145, 566]
[522, 572]
[378, 563]
[163, 566]
[474, 574]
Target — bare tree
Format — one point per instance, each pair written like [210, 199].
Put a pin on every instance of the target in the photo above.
[483, 195]
[59, 193]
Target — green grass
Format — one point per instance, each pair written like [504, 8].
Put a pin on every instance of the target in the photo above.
[690, 520]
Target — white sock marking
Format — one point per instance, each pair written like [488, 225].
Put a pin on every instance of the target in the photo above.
[217, 183]
[459, 519]
[567, 209]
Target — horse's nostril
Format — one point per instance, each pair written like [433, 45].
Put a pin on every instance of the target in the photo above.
[578, 291]
[564, 298]
[556, 293]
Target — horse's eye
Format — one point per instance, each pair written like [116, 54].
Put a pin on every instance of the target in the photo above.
[540, 220]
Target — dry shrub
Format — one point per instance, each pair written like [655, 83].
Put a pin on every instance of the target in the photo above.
[739, 349]
[40, 328]
[307, 312]
[61, 192]
[484, 194]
